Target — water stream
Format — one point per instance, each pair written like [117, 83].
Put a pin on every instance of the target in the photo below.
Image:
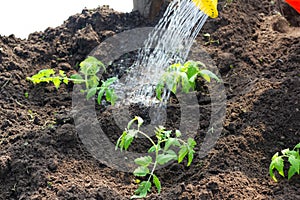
[172, 38]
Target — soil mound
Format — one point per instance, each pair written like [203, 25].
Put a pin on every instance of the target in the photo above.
[258, 55]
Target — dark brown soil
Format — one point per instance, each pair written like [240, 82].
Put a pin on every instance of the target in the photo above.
[258, 56]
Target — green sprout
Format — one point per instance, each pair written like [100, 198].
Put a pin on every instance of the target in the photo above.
[293, 158]
[163, 154]
[185, 76]
[210, 40]
[87, 75]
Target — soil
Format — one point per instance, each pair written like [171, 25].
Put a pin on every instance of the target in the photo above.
[258, 56]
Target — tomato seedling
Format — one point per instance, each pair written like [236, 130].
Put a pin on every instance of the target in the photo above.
[184, 75]
[163, 153]
[292, 157]
[210, 40]
[87, 75]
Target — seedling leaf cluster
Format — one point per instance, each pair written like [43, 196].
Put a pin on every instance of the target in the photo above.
[164, 150]
[87, 75]
[184, 76]
[277, 163]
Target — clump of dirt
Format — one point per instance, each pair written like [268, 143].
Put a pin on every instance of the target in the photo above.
[42, 156]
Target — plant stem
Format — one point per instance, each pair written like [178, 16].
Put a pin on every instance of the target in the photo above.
[74, 80]
[153, 169]
[86, 81]
[181, 141]
[156, 153]
[149, 138]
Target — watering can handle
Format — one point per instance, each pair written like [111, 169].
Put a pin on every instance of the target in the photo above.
[209, 7]
[295, 4]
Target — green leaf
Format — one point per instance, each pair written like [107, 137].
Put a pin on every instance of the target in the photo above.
[165, 158]
[167, 133]
[182, 153]
[170, 142]
[200, 64]
[192, 69]
[185, 82]
[109, 81]
[158, 90]
[193, 78]
[292, 171]
[192, 81]
[92, 70]
[93, 81]
[125, 140]
[178, 133]
[91, 92]
[46, 80]
[152, 149]
[140, 121]
[285, 151]
[291, 153]
[157, 183]
[142, 190]
[141, 171]
[62, 73]
[143, 161]
[277, 163]
[297, 146]
[44, 73]
[78, 78]
[120, 141]
[191, 142]
[100, 95]
[172, 153]
[295, 166]
[158, 132]
[56, 81]
[110, 96]
[129, 138]
[174, 67]
[171, 79]
[90, 66]
[114, 98]
[66, 81]
[204, 73]
[205, 76]
[190, 157]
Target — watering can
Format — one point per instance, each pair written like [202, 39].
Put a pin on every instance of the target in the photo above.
[209, 7]
[295, 4]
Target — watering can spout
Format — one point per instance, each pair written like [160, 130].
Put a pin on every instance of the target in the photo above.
[209, 7]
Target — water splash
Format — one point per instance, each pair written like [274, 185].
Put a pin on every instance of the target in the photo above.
[172, 39]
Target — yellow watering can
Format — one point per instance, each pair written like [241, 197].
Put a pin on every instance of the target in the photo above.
[209, 7]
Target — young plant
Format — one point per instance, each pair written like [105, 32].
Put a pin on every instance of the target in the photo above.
[278, 162]
[183, 75]
[87, 75]
[163, 153]
[210, 40]
[227, 2]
